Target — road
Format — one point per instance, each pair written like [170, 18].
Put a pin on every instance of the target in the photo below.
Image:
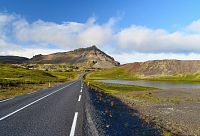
[56, 111]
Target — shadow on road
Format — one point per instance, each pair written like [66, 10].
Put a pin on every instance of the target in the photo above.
[118, 119]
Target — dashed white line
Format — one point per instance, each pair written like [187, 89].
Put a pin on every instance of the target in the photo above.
[6, 99]
[34, 102]
[81, 91]
[72, 132]
[79, 98]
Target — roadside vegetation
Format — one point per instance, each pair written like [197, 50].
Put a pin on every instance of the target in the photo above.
[167, 134]
[117, 88]
[16, 80]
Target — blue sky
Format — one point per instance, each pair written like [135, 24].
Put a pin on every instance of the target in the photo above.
[136, 28]
[151, 13]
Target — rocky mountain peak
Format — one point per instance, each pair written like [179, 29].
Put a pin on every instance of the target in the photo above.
[87, 57]
[91, 48]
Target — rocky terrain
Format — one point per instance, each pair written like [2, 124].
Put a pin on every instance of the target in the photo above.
[163, 67]
[175, 110]
[88, 57]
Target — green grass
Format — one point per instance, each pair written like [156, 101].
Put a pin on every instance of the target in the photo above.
[11, 73]
[15, 80]
[166, 133]
[112, 73]
[18, 74]
[65, 75]
[122, 73]
[21, 89]
[117, 88]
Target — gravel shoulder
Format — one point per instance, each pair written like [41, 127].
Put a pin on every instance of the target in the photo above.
[107, 115]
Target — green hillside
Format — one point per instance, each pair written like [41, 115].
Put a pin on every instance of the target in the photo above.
[123, 72]
[15, 80]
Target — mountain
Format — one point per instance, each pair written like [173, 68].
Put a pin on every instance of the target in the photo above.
[163, 67]
[12, 59]
[88, 57]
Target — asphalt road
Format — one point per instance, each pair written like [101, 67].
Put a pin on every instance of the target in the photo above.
[56, 111]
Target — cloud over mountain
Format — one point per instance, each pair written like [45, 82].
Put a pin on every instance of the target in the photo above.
[19, 35]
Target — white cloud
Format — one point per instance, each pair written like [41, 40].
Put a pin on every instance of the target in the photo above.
[5, 18]
[29, 52]
[134, 43]
[142, 39]
[5, 45]
[141, 57]
[95, 35]
[194, 26]
[67, 35]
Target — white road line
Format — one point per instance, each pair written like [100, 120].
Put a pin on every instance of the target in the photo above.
[81, 90]
[72, 132]
[79, 98]
[34, 102]
[6, 99]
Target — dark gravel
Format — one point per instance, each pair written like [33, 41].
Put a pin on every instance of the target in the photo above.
[109, 116]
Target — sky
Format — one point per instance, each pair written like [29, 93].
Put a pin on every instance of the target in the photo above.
[128, 30]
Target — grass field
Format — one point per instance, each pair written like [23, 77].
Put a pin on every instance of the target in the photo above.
[122, 73]
[117, 88]
[112, 73]
[16, 80]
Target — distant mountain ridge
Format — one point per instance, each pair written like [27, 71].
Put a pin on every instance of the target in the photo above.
[88, 57]
[163, 67]
[94, 57]
[13, 59]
